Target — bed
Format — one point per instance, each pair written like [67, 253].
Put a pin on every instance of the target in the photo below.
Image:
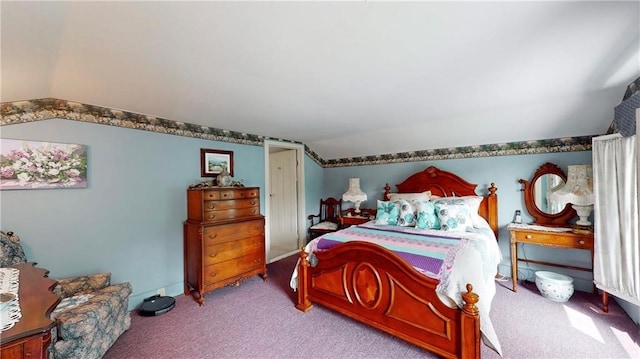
[377, 286]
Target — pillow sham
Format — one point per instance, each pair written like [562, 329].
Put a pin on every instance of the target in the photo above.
[421, 196]
[454, 217]
[426, 216]
[388, 213]
[407, 213]
[472, 202]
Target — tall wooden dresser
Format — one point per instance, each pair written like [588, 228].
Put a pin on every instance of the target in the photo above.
[223, 238]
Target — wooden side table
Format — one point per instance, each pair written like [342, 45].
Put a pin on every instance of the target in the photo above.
[350, 218]
[30, 337]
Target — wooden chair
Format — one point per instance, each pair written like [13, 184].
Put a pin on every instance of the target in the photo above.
[328, 220]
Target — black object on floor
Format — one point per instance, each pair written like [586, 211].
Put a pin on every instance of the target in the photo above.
[156, 305]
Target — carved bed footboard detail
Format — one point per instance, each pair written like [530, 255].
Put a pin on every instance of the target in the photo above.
[370, 284]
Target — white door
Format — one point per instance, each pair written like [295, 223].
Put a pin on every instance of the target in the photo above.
[283, 199]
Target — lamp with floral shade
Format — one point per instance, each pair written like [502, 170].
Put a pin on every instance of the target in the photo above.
[578, 190]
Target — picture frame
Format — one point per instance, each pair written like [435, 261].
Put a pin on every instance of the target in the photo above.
[26, 164]
[212, 161]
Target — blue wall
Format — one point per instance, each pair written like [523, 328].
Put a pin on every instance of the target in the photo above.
[129, 219]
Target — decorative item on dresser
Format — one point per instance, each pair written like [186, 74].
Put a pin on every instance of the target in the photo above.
[551, 222]
[223, 238]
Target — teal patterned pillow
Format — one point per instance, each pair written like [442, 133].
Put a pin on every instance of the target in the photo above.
[427, 218]
[388, 213]
[453, 217]
[407, 213]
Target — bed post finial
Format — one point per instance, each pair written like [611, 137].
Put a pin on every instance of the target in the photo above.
[303, 304]
[492, 189]
[470, 325]
[387, 190]
[470, 299]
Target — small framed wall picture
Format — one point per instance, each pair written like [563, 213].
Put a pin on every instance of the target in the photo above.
[214, 162]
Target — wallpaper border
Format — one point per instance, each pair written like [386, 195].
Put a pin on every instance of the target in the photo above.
[49, 108]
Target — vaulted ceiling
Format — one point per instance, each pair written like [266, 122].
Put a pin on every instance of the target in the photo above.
[345, 78]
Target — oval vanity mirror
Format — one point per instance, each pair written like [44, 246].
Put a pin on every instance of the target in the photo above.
[547, 178]
[542, 188]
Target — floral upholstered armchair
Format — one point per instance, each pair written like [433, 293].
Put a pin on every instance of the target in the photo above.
[91, 315]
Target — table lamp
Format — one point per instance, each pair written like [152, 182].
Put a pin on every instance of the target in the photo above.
[579, 192]
[354, 194]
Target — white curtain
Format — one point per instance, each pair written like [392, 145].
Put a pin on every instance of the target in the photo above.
[616, 226]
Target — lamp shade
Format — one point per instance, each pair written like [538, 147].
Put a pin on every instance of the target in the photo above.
[354, 194]
[578, 191]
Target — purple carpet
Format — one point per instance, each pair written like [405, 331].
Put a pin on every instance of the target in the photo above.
[258, 320]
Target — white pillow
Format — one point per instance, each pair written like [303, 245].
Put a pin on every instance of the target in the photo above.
[422, 196]
[453, 217]
[407, 213]
[471, 202]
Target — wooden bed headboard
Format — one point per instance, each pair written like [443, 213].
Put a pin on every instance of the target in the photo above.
[447, 184]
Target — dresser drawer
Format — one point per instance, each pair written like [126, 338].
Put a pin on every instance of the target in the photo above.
[235, 193]
[231, 268]
[554, 239]
[231, 232]
[229, 250]
[231, 204]
[231, 214]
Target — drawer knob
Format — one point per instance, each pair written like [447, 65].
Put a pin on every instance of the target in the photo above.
[528, 236]
[211, 206]
[214, 273]
[581, 242]
[212, 236]
[212, 216]
[213, 255]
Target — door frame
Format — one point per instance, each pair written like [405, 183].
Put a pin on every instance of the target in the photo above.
[268, 146]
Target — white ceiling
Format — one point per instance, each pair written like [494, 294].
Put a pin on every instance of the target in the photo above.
[345, 78]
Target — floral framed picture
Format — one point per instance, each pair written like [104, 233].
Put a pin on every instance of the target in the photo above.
[35, 165]
[212, 162]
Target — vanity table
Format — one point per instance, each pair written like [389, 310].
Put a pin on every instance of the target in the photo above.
[557, 237]
[550, 227]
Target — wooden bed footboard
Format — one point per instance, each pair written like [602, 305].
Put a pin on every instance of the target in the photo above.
[368, 283]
